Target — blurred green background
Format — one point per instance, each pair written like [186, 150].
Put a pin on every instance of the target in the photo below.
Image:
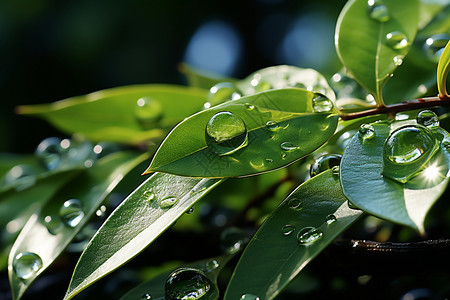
[51, 50]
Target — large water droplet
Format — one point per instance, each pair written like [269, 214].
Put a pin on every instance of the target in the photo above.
[287, 229]
[221, 92]
[273, 126]
[427, 118]
[321, 103]
[295, 203]
[378, 11]
[148, 112]
[366, 131]
[26, 265]
[168, 202]
[309, 235]
[49, 152]
[396, 40]
[226, 133]
[288, 146]
[232, 240]
[187, 283]
[146, 296]
[249, 297]
[330, 219]
[434, 46]
[324, 163]
[21, 176]
[406, 151]
[71, 212]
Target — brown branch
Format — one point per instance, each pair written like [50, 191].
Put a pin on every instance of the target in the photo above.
[398, 107]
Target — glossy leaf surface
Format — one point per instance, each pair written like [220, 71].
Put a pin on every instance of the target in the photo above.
[442, 71]
[112, 114]
[361, 41]
[275, 252]
[136, 223]
[281, 127]
[48, 233]
[364, 185]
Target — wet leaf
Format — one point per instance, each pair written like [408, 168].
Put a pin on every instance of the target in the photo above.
[362, 39]
[442, 71]
[406, 204]
[317, 207]
[114, 115]
[47, 233]
[272, 129]
[135, 224]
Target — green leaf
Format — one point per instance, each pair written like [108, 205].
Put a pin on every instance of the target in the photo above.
[46, 236]
[136, 223]
[281, 127]
[275, 253]
[284, 76]
[364, 185]
[442, 71]
[111, 115]
[361, 41]
[202, 78]
[155, 287]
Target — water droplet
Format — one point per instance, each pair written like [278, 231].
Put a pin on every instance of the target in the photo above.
[146, 296]
[396, 40]
[249, 106]
[321, 103]
[149, 195]
[226, 133]
[52, 223]
[287, 229]
[378, 11]
[273, 126]
[168, 202]
[212, 265]
[323, 163]
[187, 283]
[221, 92]
[366, 131]
[406, 151]
[101, 211]
[190, 211]
[288, 146]
[309, 235]
[21, 176]
[330, 219]
[148, 112]
[26, 265]
[249, 297]
[232, 239]
[71, 212]
[49, 152]
[398, 60]
[427, 118]
[79, 152]
[295, 203]
[335, 170]
[434, 46]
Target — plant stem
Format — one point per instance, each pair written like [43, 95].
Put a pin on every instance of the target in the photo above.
[398, 107]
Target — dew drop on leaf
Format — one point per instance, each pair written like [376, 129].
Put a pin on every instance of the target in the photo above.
[26, 265]
[323, 163]
[190, 211]
[52, 223]
[187, 283]
[396, 40]
[288, 146]
[321, 103]
[249, 297]
[146, 296]
[49, 152]
[427, 118]
[335, 170]
[148, 112]
[271, 125]
[295, 203]
[287, 229]
[149, 195]
[226, 133]
[406, 151]
[330, 219]
[309, 235]
[168, 202]
[71, 212]
[232, 239]
[366, 131]
[398, 60]
[378, 10]
[221, 92]
[434, 46]
[212, 265]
